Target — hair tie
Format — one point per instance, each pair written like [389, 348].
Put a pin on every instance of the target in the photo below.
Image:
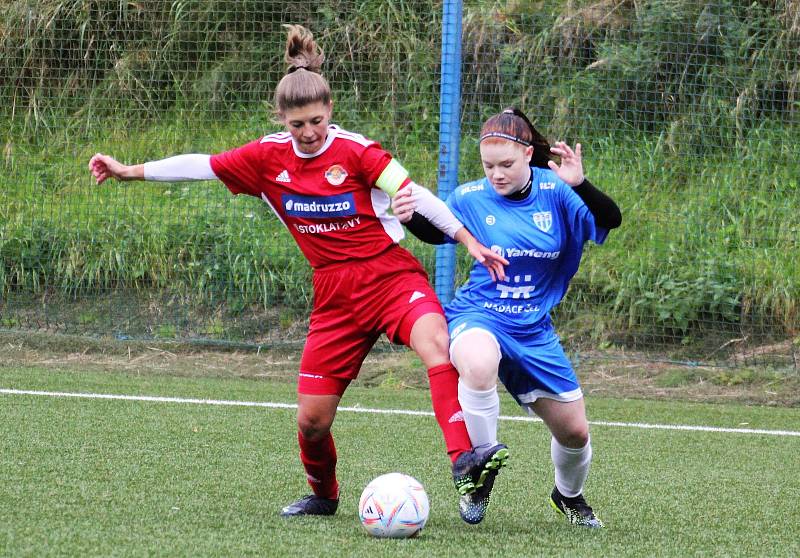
[505, 136]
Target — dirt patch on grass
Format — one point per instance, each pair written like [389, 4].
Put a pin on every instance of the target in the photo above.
[607, 373]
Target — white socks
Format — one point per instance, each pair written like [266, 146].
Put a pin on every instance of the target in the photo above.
[572, 466]
[481, 409]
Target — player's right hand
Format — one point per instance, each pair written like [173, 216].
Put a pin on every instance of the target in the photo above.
[493, 262]
[104, 167]
[403, 205]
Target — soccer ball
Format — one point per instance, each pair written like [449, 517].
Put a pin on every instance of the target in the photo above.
[393, 505]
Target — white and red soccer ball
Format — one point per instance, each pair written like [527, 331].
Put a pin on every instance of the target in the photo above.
[393, 505]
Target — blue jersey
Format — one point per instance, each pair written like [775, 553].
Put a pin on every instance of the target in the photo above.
[541, 236]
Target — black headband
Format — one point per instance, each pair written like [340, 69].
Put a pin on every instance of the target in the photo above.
[505, 136]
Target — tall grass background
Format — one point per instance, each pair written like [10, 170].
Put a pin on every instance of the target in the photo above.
[688, 113]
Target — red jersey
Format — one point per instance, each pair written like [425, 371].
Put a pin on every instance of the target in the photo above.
[328, 200]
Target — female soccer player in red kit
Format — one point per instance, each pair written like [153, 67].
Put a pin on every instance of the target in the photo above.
[331, 189]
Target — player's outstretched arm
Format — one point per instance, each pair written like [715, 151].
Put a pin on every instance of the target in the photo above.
[173, 169]
[104, 167]
[405, 205]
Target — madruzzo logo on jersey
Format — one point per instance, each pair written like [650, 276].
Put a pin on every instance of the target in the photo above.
[319, 207]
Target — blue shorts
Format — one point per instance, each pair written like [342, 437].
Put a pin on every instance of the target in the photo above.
[532, 363]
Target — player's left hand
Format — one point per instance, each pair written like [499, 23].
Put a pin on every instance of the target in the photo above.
[495, 263]
[571, 168]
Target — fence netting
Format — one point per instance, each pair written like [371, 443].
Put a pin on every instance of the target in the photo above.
[688, 113]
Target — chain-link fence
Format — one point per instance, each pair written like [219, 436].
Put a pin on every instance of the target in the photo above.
[688, 113]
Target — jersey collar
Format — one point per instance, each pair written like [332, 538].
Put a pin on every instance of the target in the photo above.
[332, 130]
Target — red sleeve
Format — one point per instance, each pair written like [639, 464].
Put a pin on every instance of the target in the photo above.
[373, 162]
[239, 169]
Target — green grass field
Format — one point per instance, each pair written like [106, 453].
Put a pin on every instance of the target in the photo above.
[100, 477]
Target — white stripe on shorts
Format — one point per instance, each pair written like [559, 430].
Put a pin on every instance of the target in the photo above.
[531, 397]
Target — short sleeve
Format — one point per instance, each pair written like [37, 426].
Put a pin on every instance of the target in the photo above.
[239, 169]
[374, 161]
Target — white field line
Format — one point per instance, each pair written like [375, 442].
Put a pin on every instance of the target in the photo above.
[270, 405]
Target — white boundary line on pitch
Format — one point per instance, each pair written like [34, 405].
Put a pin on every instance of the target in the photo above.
[269, 405]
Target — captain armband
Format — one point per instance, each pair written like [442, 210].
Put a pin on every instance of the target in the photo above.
[392, 178]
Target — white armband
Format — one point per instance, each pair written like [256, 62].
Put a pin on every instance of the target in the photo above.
[435, 210]
[179, 168]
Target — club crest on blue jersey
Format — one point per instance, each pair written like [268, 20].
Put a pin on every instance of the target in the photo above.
[543, 220]
[319, 207]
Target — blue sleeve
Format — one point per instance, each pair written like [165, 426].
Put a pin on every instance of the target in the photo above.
[579, 227]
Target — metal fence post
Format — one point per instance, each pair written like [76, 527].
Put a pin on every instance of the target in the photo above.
[449, 135]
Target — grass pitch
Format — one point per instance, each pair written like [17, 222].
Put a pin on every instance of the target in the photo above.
[98, 477]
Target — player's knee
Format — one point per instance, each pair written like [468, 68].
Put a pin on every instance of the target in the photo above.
[434, 349]
[313, 427]
[480, 375]
[477, 369]
[440, 342]
[576, 436]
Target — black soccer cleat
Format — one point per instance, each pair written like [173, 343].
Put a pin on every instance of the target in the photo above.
[485, 464]
[576, 510]
[472, 507]
[473, 467]
[311, 505]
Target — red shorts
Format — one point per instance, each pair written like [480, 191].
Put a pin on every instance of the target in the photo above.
[354, 303]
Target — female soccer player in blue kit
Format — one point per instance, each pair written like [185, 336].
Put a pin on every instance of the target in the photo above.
[331, 189]
[538, 214]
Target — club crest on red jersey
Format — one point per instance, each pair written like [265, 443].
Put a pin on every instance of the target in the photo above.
[335, 175]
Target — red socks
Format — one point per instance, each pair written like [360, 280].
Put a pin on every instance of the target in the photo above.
[444, 396]
[319, 461]
[319, 457]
